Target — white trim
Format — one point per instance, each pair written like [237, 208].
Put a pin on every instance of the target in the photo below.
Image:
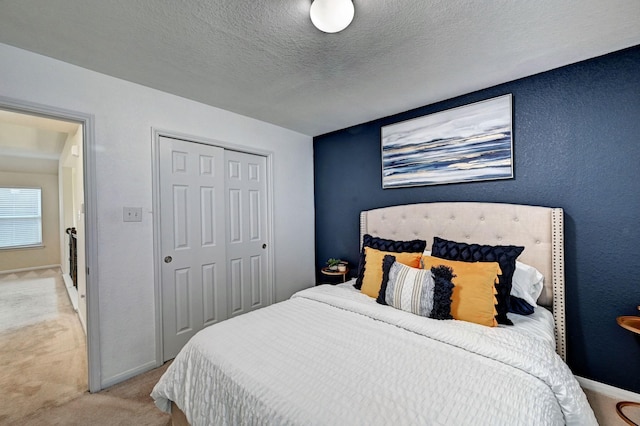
[155, 173]
[126, 375]
[157, 266]
[608, 390]
[91, 221]
[34, 246]
[35, 268]
[72, 291]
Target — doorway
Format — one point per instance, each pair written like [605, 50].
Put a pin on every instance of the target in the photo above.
[83, 212]
[213, 236]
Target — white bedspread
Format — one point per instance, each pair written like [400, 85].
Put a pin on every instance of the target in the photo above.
[332, 356]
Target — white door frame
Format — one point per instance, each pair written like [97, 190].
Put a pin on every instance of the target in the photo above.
[90, 210]
[157, 261]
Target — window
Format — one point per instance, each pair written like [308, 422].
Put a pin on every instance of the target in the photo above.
[20, 217]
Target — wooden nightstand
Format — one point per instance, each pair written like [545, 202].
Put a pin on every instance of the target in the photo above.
[330, 273]
[631, 323]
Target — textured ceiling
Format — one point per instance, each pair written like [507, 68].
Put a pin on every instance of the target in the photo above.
[264, 59]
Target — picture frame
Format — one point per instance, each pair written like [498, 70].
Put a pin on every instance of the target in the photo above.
[469, 143]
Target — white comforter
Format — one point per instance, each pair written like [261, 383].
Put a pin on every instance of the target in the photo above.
[332, 356]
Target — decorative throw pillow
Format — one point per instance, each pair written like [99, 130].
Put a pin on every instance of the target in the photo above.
[504, 255]
[526, 287]
[474, 291]
[413, 246]
[372, 279]
[520, 306]
[420, 291]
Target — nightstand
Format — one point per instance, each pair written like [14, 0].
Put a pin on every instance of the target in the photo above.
[330, 273]
[631, 323]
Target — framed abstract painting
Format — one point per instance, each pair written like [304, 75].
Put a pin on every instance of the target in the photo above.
[465, 144]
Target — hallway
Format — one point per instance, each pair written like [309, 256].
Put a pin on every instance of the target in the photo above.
[43, 361]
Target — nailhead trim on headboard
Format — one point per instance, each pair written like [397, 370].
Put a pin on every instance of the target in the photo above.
[557, 223]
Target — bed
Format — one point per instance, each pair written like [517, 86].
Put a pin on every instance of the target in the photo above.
[334, 355]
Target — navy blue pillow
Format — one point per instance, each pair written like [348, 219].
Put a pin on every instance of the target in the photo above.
[504, 255]
[413, 246]
[520, 306]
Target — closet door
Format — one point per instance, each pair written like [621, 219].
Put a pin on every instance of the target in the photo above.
[192, 246]
[248, 276]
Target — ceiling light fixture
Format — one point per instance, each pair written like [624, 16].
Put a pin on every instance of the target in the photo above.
[331, 16]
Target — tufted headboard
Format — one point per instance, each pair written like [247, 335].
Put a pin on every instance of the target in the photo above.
[539, 229]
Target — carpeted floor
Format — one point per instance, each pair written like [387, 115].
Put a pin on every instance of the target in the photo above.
[604, 408]
[124, 404]
[43, 367]
[42, 345]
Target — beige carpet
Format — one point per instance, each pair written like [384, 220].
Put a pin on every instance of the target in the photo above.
[125, 404]
[42, 345]
[43, 367]
[604, 408]
[28, 299]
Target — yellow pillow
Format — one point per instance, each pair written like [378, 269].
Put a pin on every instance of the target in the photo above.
[372, 279]
[474, 294]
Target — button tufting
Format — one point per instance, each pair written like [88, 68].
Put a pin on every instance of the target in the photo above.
[482, 218]
[537, 241]
[515, 219]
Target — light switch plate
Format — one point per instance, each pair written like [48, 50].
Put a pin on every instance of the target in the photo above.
[132, 214]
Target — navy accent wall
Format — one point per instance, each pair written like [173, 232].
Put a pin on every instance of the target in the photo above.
[576, 146]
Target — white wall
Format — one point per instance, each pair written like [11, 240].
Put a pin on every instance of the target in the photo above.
[124, 114]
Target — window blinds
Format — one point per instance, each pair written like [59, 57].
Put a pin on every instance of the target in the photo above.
[20, 217]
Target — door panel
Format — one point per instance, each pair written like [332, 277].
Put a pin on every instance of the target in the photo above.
[192, 222]
[210, 284]
[256, 281]
[183, 301]
[247, 251]
[235, 285]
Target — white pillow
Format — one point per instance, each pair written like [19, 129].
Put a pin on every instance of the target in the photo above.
[527, 283]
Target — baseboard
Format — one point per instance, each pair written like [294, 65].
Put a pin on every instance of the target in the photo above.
[126, 375]
[35, 268]
[608, 390]
[72, 291]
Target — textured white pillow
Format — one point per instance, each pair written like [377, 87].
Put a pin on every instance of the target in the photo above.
[527, 283]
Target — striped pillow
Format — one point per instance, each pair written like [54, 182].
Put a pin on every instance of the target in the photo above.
[415, 290]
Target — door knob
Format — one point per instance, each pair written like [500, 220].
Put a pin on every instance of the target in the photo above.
[168, 259]
[264, 246]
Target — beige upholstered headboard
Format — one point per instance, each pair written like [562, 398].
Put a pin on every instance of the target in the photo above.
[539, 229]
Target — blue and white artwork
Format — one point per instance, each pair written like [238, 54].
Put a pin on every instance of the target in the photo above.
[464, 144]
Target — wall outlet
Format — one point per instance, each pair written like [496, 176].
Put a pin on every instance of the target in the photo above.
[132, 214]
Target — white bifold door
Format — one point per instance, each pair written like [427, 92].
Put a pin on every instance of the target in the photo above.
[213, 237]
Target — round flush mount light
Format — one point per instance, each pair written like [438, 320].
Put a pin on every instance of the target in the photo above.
[331, 16]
